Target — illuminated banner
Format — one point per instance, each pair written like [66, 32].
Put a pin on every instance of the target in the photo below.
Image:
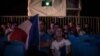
[47, 7]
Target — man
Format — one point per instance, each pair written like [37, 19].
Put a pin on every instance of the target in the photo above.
[86, 28]
[53, 27]
[71, 27]
[45, 40]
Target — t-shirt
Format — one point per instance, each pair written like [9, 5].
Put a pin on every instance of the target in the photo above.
[56, 45]
[45, 37]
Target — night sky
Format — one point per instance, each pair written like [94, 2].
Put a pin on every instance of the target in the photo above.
[19, 7]
[13, 7]
[90, 8]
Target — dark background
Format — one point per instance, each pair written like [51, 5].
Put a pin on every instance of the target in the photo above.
[90, 8]
[13, 7]
[19, 7]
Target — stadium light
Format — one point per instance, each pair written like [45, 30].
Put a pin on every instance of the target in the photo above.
[46, 3]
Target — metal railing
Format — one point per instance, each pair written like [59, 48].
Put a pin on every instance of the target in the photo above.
[94, 22]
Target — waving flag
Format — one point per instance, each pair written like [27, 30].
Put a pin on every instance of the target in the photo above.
[27, 32]
[34, 32]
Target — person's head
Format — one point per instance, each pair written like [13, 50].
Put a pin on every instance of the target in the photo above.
[58, 34]
[82, 32]
[8, 24]
[78, 28]
[86, 25]
[65, 28]
[40, 25]
[56, 25]
[70, 24]
[52, 25]
[14, 25]
[3, 26]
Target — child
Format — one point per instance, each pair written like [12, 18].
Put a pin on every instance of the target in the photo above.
[59, 44]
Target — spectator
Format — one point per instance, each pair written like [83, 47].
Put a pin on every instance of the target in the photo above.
[78, 28]
[65, 29]
[71, 27]
[77, 31]
[82, 32]
[59, 43]
[45, 40]
[86, 28]
[2, 30]
[56, 25]
[52, 29]
[8, 29]
[3, 27]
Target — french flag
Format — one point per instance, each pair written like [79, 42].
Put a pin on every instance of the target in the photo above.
[27, 32]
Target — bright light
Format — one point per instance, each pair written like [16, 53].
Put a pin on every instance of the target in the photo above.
[47, 3]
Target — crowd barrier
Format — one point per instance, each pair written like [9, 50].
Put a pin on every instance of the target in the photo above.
[94, 22]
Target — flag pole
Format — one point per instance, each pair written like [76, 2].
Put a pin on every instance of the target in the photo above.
[38, 33]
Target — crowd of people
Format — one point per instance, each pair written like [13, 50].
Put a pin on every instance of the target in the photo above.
[56, 38]
[51, 41]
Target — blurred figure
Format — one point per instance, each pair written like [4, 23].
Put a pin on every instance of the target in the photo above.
[56, 25]
[45, 40]
[71, 27]
[65, 29]
[52, 26]
[78, 28]
[8, 29]
[41, 26]
[60, 43]
[52, 29]
[77, 31]
[70, 24]
[82, 32]
[14, 25]
[2, 29]
[86, 28]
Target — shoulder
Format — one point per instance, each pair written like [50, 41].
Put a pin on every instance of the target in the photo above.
[54, 42]
[67, 42]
